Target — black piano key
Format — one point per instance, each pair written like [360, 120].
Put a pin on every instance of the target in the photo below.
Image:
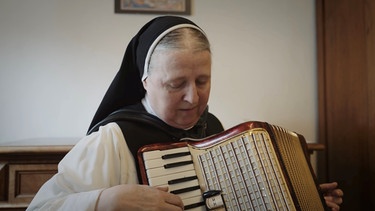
[191, 206]
[211, 193]
[177, 164]
[175, 155]
[184, 179]
[184, 190]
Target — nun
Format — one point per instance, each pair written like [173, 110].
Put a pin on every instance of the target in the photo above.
[160, 94]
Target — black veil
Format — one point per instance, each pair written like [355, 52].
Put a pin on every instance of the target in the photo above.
[126, 88]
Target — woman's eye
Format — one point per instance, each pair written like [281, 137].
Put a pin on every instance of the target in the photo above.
[176, 85]
[202, 82]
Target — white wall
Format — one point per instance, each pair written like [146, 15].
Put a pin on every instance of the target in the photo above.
[57, 58]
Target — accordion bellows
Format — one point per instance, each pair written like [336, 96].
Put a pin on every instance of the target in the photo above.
[252, 166]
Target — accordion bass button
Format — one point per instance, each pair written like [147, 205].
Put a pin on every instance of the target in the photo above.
[213, 199]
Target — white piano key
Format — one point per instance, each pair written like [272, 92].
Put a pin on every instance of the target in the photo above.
[154, 163]
[163, 180]
[183, 185]
[159, 153]
[201, 208]
[190, 194]
[194, 200]
[156, 172]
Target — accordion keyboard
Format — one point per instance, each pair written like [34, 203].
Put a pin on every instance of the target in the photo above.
[174, 168]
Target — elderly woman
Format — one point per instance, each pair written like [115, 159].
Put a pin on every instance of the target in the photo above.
[160, 94]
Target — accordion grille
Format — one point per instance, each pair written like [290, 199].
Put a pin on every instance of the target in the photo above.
[299, 173]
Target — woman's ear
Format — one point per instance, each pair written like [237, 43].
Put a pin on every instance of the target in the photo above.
[144, 82]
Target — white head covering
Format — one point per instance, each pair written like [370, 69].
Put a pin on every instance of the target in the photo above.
[156, 41]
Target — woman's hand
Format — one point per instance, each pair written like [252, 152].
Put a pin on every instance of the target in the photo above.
[138, 197]
[332, 195]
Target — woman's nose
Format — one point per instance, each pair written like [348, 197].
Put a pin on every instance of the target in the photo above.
[191, 94]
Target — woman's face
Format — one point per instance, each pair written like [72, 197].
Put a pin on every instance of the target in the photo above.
[178, 85]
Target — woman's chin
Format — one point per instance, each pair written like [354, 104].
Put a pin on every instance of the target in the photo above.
[185, 124]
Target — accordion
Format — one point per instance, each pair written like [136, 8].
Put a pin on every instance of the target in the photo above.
[251, 166]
